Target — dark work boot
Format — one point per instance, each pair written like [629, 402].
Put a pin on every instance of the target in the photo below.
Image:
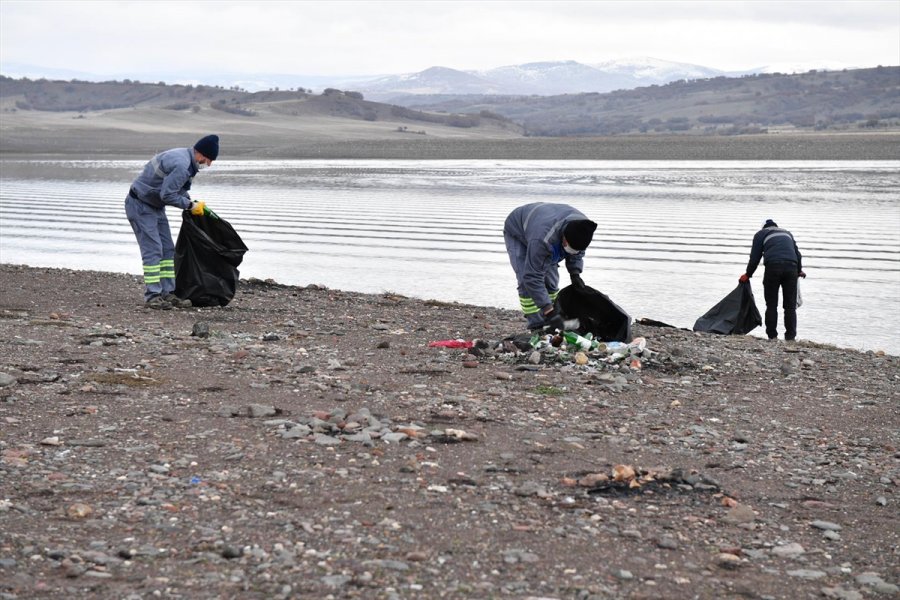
[790, 324]
[177, 302]
[158, 303]
[772, 322]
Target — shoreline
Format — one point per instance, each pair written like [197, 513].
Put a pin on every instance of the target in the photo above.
[36, 144]
[513, 314]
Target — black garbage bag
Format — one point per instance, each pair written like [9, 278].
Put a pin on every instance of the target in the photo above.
[207, 255]
[735, 314]
[598, 314]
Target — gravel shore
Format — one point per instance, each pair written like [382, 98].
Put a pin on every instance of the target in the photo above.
[309, 443]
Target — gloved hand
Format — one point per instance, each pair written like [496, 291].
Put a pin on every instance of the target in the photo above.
[744, 278]
[577, 281]
[802, 274]
[555, 321]
[198, 208]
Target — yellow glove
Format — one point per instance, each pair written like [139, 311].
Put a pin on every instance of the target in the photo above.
[198, 209]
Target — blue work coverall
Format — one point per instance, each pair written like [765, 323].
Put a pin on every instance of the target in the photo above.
[164, 180]
[533, 234]
[783, 265]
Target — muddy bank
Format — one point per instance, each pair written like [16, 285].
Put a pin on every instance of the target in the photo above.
[307, 442]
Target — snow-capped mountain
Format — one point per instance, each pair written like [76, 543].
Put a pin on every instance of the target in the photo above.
[434, 80]
[657, 71]
[790, 68]
[547, 78]
[537, 78]
[541, 78]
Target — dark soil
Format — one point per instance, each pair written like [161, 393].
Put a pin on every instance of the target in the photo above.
[313, 445]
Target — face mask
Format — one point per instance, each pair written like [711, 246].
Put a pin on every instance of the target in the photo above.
[570, 249]
[201, 166]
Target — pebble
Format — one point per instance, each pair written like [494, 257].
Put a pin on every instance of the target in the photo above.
[741, 513]
[877, 583]
[667, 542]
[807, 573]
[791, 550]
[726, 560]
[258, 411]
[826, 525]
[79, 511]
[841, 594]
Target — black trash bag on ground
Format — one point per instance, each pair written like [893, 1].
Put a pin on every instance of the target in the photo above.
[597, 314]
[735, 314]
[207, 254]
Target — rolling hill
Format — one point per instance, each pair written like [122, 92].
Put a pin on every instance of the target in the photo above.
[680, 119]
[822, 101]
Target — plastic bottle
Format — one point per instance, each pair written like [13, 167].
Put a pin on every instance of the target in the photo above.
[637, 345]
[613, 347]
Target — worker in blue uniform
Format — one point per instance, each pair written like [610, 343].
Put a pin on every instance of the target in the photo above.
[783, 267]
[165, 181]
[538, 237]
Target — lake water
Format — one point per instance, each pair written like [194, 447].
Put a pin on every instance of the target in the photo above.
[673, 237]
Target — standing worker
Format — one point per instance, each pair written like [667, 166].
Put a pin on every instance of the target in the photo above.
[783, 267]
[538, 236]
[166, 179]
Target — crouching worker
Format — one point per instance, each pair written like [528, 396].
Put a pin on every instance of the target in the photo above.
[538, 236]
[165, 180]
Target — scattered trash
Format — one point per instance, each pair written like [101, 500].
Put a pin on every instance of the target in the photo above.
[451, 344]
[627, 479]
[584, 350]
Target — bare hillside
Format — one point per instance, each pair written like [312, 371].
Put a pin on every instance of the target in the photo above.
[51, 119]
[862, 99]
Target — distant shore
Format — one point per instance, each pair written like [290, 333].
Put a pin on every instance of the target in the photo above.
[764, 147]
[116, 143]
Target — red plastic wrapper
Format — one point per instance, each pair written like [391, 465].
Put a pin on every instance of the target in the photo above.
[450, 344]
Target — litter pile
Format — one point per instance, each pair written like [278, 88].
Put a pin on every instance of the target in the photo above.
[563, 348]
[585, 350]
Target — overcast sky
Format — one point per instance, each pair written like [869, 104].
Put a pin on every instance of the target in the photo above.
[151, 39]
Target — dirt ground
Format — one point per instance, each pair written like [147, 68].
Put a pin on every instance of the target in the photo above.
[308, 443]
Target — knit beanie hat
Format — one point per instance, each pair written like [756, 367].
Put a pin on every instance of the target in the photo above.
[208, 146]
[579, 233]
[770, 223]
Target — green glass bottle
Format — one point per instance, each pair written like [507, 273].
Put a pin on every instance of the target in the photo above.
[573, 339]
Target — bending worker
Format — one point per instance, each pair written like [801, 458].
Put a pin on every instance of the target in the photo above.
[538, 236]
[165, 180]
[783, 267]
